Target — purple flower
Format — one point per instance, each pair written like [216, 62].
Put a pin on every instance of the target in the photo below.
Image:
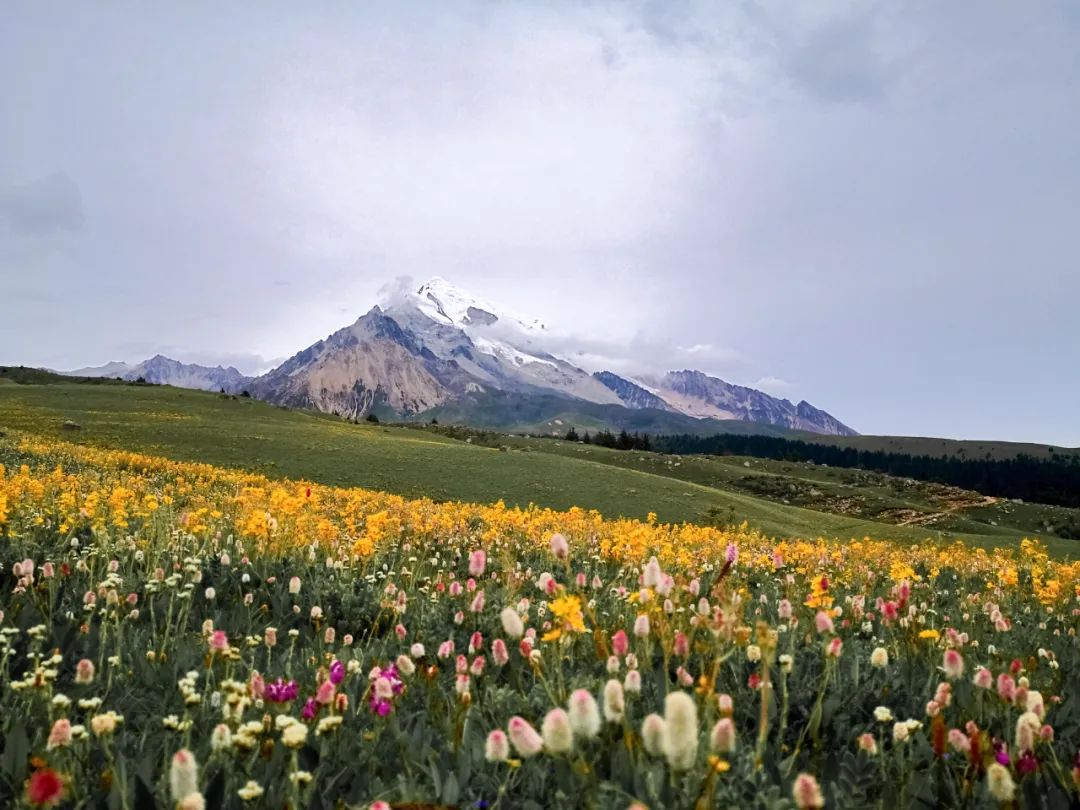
[281, 692]
[1027, 763]
[337, 672]
[310, 708]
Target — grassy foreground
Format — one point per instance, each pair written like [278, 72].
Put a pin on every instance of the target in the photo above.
[177, 635]
[243, 433]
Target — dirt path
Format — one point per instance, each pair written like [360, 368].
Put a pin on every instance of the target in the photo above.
[955, 506]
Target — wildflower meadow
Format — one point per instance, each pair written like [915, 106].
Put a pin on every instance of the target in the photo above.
[175, 635]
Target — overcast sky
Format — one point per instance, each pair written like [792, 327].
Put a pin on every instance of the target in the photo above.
[873, 206]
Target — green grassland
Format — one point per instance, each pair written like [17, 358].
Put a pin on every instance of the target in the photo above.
[244, 433]
[927, 446]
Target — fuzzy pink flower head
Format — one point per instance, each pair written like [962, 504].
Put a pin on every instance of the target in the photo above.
[731, 554]
[823, 622]
[270, 637]
[620, 644]
[455, 588]
[257, 686]
[682, 645]
[641, 625]
[379, 805]
[807, 793]
[84, 671]
[526, 739]
[294, 585]
[59, 735]
[477, 562]
[723, 736]
[477, 605]
[726, 705]
[784, 609]
[325, 693]
[219, 642]
[559, 546]
[1006, 687]
[461, 665]
[384, 690]
[580, 579]
[476, 642]
[959, 741]
[400, 631]
[953, 664]
[476, 668]
[497, 746]
[446, 649]
[834, 647]
[499, 653]
[983, 679]
[48, 570]
[868, 744]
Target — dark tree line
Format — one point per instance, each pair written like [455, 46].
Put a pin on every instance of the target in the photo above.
[1052, 481]
[605, 438]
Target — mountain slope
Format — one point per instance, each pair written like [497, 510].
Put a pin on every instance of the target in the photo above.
[630, 393]
[697, 394]
[166, 371]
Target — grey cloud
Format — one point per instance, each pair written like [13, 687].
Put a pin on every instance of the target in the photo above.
[42, 207]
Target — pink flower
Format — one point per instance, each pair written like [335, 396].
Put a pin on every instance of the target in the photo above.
[834, 647]
[641, 625]
[270, 637]
[219, 642]
[1006, 687]
[499, 652]
[682, 645]
[477, 666]
[559, 547]
[60, 735]
[823, 622]
[446, 649]
[257, 686]
[400, 631]
[620, 644]
[959, 741]
[807, 793]
[325, 693]
[731, 554]
[526, 739]
[784, 609]
[455, 588]
[84, 671]
[477, 562]
[476, 642]
[497, 747]
[477, 605]
[953, 664]
[983, 679]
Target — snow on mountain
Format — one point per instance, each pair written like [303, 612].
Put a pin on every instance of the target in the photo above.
[116, 368]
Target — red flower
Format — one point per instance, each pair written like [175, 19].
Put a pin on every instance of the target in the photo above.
[45, 788]
[754, 680]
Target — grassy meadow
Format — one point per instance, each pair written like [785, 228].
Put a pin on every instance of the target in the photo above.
[244, 433]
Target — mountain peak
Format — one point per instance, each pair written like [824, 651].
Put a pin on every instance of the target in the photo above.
[448, 303]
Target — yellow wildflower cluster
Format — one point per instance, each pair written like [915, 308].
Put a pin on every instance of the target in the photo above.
[68, 487]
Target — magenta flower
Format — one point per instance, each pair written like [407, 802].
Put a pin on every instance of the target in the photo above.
[337, 672]
[281, 692]
[310, 709]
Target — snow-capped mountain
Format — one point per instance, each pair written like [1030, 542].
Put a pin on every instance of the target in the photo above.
[162, 370]
[439, 344]
[697, 394]
[439, 349]
[115, 368]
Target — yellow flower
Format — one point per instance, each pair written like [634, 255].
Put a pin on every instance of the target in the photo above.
[567, 609]
[933, 635]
